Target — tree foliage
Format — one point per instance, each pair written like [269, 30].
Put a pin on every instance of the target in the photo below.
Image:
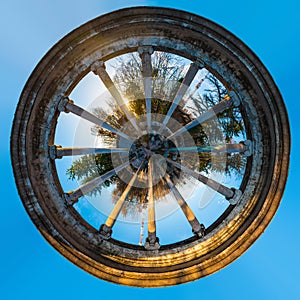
[168, 72]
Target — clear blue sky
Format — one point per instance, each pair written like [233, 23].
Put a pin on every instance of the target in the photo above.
[31, 269]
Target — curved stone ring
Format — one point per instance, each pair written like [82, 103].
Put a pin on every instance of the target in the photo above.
[241, 123]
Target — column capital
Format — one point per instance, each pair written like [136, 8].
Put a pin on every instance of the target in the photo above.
[145, 50]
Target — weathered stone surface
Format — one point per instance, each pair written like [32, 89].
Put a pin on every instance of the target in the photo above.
[222, 54]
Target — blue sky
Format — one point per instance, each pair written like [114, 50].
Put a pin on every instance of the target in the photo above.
[31, 269]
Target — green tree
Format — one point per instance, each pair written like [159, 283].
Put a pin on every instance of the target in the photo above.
[168, 73]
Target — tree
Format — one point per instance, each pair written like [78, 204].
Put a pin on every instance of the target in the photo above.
[167, 72]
